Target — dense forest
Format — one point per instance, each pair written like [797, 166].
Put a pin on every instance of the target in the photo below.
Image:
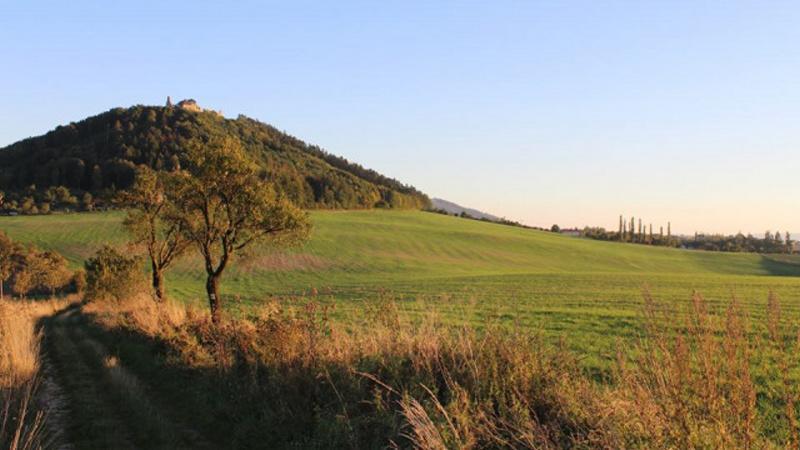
[96, 157]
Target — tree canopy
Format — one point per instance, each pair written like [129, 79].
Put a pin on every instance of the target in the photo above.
[151, 203]
[101, 153]
[223, 207]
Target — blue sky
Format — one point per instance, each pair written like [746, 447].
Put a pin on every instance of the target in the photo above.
[546, 112]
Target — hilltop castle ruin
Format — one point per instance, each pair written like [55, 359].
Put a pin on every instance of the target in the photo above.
[190, 104]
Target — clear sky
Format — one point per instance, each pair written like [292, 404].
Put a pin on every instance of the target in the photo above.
[568, 112]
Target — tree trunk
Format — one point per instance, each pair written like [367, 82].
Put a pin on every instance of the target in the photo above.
[158, 284]
[212, 288]
[1, 289]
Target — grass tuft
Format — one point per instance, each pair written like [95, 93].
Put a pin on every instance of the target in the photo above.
[23, 423]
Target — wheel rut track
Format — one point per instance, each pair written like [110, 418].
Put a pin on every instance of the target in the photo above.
[102, 404]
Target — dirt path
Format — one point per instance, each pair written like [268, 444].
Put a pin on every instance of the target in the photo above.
[97, 401]
[56, 404]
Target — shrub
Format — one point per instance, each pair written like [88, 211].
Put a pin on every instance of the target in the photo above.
[110, 275]
[21, 282]
[36, 272]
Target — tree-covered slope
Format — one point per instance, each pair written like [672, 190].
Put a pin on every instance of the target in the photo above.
[100, 153]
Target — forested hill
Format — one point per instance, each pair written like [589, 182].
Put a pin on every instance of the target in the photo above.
[99, 155]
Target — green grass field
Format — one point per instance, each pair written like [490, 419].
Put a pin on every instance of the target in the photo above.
[470, 272]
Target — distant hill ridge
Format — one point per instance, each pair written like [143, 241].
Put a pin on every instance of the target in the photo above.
[99, 154]
[456, 209]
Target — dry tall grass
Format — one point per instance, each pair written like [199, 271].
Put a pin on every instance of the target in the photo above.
[22, 420]
[140, 312]
[285, 378]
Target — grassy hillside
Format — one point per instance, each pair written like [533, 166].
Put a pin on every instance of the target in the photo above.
[469, 271]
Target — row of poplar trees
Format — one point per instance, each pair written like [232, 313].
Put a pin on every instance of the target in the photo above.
[643, 234]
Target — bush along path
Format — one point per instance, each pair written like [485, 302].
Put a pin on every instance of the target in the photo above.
[108, 406]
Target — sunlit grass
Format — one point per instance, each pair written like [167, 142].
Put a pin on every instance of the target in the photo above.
[468, 271]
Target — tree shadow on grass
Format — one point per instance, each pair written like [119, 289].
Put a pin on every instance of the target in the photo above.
[249, 404]
[781, 265]
[279, 380]
[106, 405]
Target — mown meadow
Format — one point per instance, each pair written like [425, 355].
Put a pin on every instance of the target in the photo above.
[469, 272]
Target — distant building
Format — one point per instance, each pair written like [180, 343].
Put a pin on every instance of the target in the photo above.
[796, 247]
[573, 232]
[190, 105]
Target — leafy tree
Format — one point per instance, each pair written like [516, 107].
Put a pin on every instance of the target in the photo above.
[632, 232]
[223, 208]
[28, 206]
[555, 228]
[22, 281]
[50, 271]
[599, 233]
[87, 201]
[7, 251]
[96, 178]
[640, 231]
[164, 240]
[33, 270]
[64, 197]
